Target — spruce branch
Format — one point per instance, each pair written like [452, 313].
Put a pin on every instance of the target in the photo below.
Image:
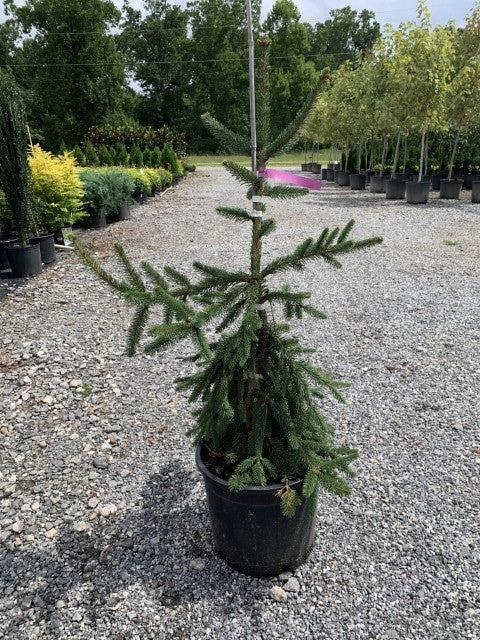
[283, 192]
[137, 327]
[166, 335]
[235, 214]
[89, 261]
[242, 174]
[268, 226]
[177, 277]
[129, 269]
[156, 278]
[229, 140]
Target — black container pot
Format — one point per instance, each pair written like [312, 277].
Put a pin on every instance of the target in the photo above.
[450, 189]
[144, 197]
[123, 212]
[343, 179]
[335, 175]
[137, 196]
[249, 530]
[24, 261]
[309, 166]
[98, 219]
[476, 191]
[399, 176]
[316, 168]
[324, 174]
[378, 184]
[357, 181]
[47, 247]
[4, 264]
[330, 175]
[304, 167]
[468, 180]
[435, 184]
[417, 192]
[396, 189]
[369, 174]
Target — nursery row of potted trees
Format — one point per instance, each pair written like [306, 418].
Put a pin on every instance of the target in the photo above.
[398, 186]
[43, 195]
[419, 83]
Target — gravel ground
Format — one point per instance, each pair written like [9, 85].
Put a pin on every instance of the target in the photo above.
[104, 531]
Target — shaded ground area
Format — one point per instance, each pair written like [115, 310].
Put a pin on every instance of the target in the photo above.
[102, 511]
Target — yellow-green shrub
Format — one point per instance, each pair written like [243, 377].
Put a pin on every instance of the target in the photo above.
[57, 189]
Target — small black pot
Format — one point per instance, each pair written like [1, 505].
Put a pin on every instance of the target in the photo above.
[435, 184]
[47, 247]
[309, 166]
[476, 191]
[249, 530]
[468, 180]
[4, 264]
[330, 175]
[304, 167]
[417, 192]
[357, 181]
[450, 189]
[324, 174]
[335, 175]
[24, 261]
[396, 189]
[316, 168]
[378, 184]
[98, 219]
[123, 212]
[343, 179]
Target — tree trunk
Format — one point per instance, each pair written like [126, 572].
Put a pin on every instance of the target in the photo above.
[347, 152]
[384, 153]
[422, 151]
[405, 155]
[366, 156]
[395, 158]
[425, 171]
[359, 162]
[452, 157]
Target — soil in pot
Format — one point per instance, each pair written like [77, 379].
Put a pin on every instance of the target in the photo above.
[476, 191]
[417, 192]
[4, 264]
[343, 179]
[357, 181]
[378, 184]
[450, 189]
[249, 530]
[47, 247]
[24, 261]
[396, 189]
[123, 212]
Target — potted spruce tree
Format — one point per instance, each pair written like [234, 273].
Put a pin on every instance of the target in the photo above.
[15, 178]
[264, 446]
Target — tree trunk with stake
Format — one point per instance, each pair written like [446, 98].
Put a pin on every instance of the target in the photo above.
[422, 151]
[452, 157]
[384, 153]
[395, 158]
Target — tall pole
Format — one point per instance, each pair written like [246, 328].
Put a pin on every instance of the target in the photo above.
[251, 75]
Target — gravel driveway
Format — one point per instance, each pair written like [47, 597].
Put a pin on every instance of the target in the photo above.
[104, 531]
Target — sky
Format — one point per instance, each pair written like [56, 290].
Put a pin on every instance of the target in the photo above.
[386, 11]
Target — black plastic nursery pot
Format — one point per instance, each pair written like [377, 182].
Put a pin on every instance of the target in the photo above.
[450, 189]
[46, 243]
[304, 166]
[417, 192]
[24, 261]
[123, 212]
[378, 184]
[343, 179]
[249, 530]
[316, 168]
[357, 181]
[396, 189]
[309, 166]
[4, 264]
[476, 191]
[324, 174]
[98, 219]
[330, 175]
[435, 184]
[335, 175]
[469, 179]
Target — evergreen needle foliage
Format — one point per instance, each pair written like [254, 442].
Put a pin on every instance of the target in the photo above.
[256, 394]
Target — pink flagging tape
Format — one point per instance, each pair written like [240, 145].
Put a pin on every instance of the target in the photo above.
[291, 178]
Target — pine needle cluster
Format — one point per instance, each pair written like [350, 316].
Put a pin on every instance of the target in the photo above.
[257, 397]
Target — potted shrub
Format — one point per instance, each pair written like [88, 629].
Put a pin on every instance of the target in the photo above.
[97, 199]
[264, 446]
[58, 193]
[141, 185]
[15, 178]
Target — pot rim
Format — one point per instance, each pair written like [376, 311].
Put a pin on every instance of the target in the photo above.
[249, 489]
